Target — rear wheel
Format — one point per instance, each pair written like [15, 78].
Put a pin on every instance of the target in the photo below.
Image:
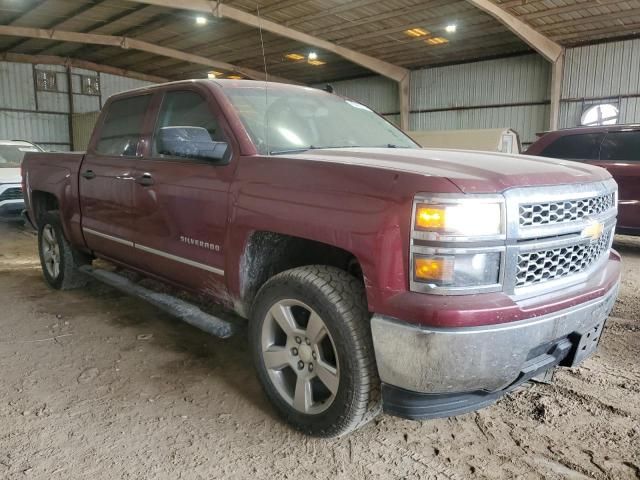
[60, 261]
[312, 349]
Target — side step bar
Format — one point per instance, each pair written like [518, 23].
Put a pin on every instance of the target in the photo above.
[185, 311]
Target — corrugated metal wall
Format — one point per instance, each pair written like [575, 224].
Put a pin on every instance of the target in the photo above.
[43, 117]
[503, 81]
[606, 72]
[503, 93]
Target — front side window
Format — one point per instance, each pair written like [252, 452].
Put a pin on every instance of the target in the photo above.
[122, 127]
[187, 129]
[621, 146]
[284, 120]
[585, 146]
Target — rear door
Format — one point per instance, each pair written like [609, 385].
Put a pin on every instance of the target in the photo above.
[620, 155]
[106, 179]
[182, 199]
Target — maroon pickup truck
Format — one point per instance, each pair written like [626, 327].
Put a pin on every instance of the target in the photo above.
[372, 273]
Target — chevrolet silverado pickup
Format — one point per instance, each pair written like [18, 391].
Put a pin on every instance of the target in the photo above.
[374, 275]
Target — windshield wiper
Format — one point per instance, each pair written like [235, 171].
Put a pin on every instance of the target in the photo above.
[293, 150]
[311, 147]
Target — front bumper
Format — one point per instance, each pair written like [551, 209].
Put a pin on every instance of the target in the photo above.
[430, 372]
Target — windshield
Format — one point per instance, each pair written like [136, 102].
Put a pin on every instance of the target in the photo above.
[289, 120]
[11, 155]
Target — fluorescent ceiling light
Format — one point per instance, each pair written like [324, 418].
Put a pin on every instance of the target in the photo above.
[451, 28]
[201, 20]
[436, 41]
[313, 56]
[294, 56]
[417, 32]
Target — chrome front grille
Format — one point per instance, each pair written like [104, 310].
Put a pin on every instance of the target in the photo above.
[552, 235]
[555, 263]
[550, 213]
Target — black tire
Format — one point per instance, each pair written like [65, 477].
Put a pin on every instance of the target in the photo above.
[70, 259]
[339, 299]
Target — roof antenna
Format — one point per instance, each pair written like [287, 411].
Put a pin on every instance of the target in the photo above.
[266, 83]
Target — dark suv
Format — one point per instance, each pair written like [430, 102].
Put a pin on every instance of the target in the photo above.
[614, 147]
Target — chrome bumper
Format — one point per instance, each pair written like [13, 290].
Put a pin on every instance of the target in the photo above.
[488, 358]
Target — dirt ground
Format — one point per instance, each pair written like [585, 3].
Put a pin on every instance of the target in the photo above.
[98, 385]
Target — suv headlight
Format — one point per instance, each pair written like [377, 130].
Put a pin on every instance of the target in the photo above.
[457, 243]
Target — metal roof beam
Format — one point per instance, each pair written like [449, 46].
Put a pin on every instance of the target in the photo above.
[536, 40]
[129, 43]
[77, 63]
[223, 10]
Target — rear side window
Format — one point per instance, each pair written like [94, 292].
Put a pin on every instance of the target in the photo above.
[122, 127]
[622, 146]
[585, 146]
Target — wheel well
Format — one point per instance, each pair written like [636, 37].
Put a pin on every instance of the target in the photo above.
[41, 203]
[268, 254]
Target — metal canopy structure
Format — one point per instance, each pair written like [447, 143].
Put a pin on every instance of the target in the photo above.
[347, 39]
[370, 27]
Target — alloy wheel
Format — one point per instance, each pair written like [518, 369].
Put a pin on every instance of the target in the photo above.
[50, 251]
[300, 356]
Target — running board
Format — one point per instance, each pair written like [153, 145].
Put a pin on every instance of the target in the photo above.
[185, 311]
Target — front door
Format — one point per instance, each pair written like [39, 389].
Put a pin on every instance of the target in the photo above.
[106, 180]
[182, 193]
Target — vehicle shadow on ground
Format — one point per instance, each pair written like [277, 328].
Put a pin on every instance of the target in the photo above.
[201, 356]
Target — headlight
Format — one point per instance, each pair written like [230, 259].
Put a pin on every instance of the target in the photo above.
[457, 244]
[461, 270]
[465, 219]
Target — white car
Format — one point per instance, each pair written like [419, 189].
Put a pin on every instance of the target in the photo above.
[11, 154]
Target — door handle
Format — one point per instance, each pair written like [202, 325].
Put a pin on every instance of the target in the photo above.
[89, 174]
[145, 180]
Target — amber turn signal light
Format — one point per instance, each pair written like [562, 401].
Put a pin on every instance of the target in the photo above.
[433, 269]
[430, 218]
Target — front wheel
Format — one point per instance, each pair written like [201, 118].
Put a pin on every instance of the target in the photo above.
[312, 347]
[59, 260]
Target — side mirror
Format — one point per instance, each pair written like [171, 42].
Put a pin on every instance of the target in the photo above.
[190, 142]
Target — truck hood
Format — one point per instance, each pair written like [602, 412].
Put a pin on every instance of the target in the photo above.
[10, 175]
[470, 171]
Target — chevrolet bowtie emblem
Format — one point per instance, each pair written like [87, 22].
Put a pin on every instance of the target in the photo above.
[593, 231]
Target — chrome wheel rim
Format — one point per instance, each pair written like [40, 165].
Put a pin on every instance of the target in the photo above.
[300, 356]
[50, 251]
